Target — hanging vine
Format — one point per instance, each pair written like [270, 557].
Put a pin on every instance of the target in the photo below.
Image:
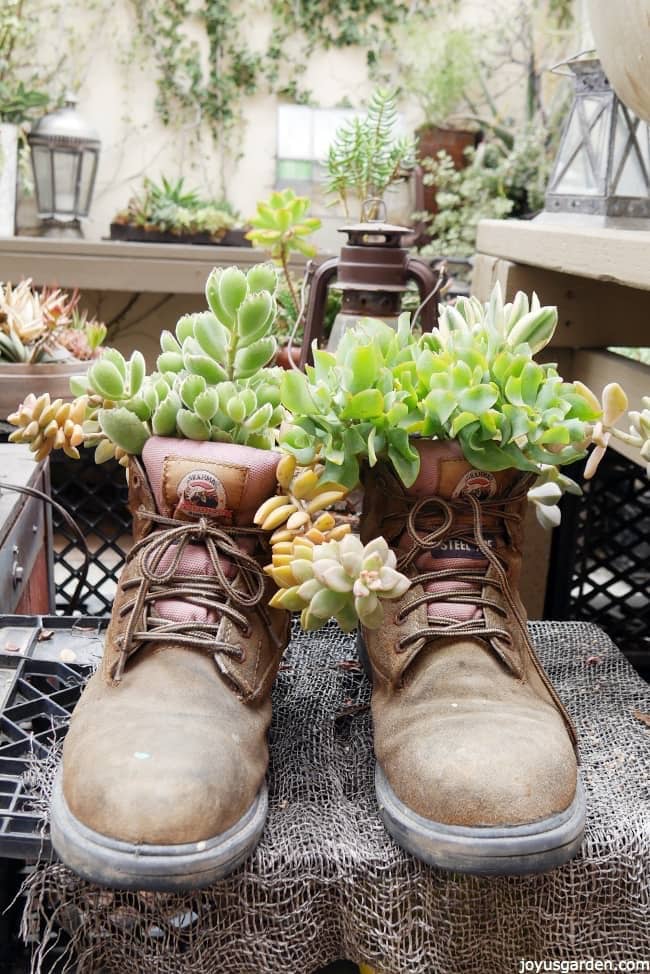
[205, 76]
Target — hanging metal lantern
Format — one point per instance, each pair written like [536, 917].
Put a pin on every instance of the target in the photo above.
[373, 272]
[603, 163]
[65, 153]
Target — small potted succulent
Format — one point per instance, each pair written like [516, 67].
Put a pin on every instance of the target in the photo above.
[167, 212]
[44, 339]
[473, 381]
[368, 163]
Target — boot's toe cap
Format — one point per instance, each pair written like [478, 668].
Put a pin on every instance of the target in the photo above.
[491, 772]
[158, 786]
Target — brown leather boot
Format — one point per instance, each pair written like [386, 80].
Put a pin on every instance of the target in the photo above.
[476, 763]
[162, 785]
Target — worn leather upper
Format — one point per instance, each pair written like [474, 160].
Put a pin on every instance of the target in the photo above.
[468, 730]
[174, 749]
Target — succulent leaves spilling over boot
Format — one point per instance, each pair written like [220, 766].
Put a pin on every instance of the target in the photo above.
[476, 766]
[162, 784]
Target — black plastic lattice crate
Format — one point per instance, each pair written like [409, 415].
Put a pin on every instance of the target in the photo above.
[44, 664]
[95, 496]
[600, 570]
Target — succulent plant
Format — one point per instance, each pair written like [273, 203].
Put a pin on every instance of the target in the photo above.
[168, 206]
[281, 225]
[339, 579]
[45, 425]
[45, 325]
[211, 382]
[296, 513]
[473, 378]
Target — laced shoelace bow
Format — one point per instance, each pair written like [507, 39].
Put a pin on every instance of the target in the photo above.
[215, 592]
[453, 528]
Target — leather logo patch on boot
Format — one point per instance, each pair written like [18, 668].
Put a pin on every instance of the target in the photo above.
[197, 488]
[478, 482]
[200, 492]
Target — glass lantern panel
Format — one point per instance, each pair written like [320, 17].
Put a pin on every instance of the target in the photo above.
[632, 178]
[42, 165]
[343, 322]
[597, 118]
[88, 165]
[575, 175]
[66, 165]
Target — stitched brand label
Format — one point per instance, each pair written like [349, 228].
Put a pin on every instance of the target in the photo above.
[202, 488]
[201, 492]
[457, 548]
[478, 482]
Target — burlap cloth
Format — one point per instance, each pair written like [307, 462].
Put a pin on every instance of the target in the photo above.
[326, 880]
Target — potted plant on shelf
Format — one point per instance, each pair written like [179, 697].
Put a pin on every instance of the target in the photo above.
[167, 212]
[438, 70]
[367, 161]
[44, 340]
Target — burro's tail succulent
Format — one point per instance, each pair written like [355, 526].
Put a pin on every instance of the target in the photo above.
[44, 425]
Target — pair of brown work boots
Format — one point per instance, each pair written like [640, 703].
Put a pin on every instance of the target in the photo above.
[162, 785]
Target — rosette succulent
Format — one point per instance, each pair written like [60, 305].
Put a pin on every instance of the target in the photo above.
[342, 580]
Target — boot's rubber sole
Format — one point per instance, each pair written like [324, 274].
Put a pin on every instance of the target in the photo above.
[484, 851]
[164, 868]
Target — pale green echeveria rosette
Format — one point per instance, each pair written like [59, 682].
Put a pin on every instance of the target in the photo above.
[346, 581]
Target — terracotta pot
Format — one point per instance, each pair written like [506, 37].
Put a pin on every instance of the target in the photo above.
[622, 36]
[432, 140]
[17, 379]
[282, 358]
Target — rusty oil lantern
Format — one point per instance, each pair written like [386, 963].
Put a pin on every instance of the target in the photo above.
[373, 271]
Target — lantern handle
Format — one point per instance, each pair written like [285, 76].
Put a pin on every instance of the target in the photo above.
[316, 307]
[429, 286]
[574, 57]
[373, 204]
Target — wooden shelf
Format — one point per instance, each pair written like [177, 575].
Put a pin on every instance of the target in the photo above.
[112, 265]
[600, 253]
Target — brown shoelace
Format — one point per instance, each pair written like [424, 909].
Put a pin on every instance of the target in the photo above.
[215, 592]
[454, 512]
